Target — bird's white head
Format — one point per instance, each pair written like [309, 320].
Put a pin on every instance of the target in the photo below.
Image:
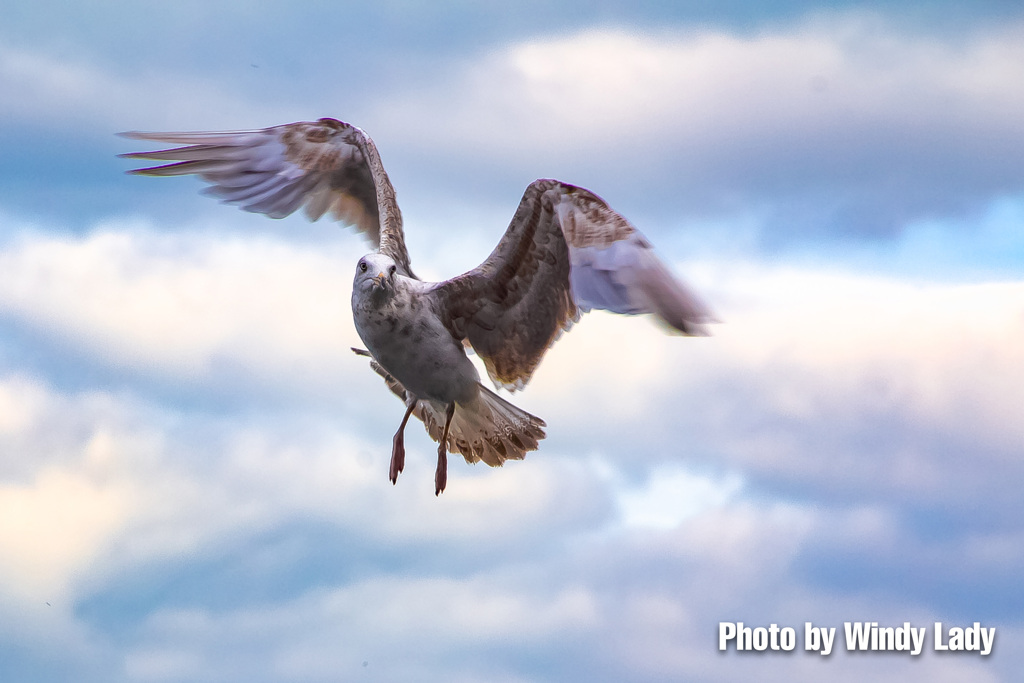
[375, 274]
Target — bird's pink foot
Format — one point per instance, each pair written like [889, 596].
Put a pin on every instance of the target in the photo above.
[397, 457]
[441, 475]
[398, 446]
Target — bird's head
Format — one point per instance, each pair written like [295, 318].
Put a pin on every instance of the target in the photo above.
[375, 274]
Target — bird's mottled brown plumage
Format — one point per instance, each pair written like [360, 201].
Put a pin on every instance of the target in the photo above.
[564, 252]
[513, 306]
[322, 166]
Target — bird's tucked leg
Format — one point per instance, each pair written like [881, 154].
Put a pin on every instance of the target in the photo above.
[441, 475]
[398, 449]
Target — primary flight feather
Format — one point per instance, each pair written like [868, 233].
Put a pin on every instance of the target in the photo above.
[565, 252]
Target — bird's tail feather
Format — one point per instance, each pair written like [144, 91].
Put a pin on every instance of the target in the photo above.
[488, 428]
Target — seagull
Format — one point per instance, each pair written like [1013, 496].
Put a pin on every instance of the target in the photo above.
[564, 253]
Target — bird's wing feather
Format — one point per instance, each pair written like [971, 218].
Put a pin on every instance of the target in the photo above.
[564, 252]
[322, 166]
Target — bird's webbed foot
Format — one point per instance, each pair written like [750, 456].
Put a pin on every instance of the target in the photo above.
[441, 474]
[398, 447]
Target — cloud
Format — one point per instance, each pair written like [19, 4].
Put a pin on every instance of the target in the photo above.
[186, 306]
[845, 124]
[511, 577]
[57, 522]
[672, 495]
[137, 495]
[911, 371]
[803, 343]
[651, 601]
[864, 389]
[840, 124]
[96, 482]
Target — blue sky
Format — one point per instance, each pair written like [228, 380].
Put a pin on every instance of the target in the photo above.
[193, 466]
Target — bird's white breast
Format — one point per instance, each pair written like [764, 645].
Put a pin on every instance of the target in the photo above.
[405, 335]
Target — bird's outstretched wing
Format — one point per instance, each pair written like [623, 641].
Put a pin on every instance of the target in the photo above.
[322, 166]
[565, 252]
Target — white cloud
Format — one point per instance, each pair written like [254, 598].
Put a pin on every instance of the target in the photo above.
[621, 608]
[638, 597]
[933, 343]
[609, 88]
[799, 346]
[180, 305]
[806, 363]
[672, 495]
[401, 627]
[21, 403]
[845, 124]
[54, 525]
[941, 358]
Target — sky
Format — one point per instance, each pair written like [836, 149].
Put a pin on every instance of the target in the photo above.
[193, 465]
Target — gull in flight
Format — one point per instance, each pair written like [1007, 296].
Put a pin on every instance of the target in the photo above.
[565, 252]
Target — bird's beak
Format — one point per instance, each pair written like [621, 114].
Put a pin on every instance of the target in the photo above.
[380, 280]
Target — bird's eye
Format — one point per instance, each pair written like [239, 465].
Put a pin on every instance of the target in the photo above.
[362, 266]
[392, 270]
